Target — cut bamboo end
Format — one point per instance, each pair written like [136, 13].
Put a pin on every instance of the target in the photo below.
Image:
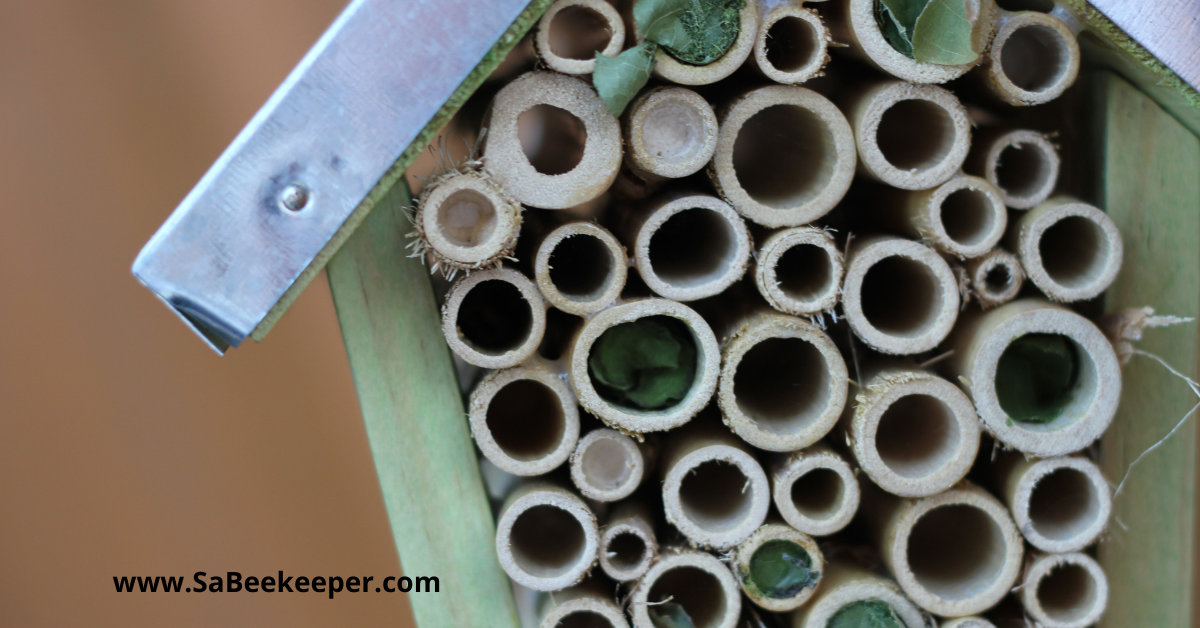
[627, 543]
[607, 465]
[525, 419]
[546, 537]
[494, 318]
[669, 68]
[967, 622]
[580, 268]
[900, 296]
[913, 433]
[799, 271]
[759, 578]
[846, 586]
[791, 45]
[964, 217]
[666, 245]
[785, 156]
[783, 382]
[572, 32]
[671, 133]
[996, 278]
[635, 420]
[588, 605]
[467, 221]
[1040, 423]
[913, 137]
[1070, 250]
[1022, 164]
[1064, 590]
[815, 490]
[551, 141]
[1060, 504]
[694, 580]
[1034, 58]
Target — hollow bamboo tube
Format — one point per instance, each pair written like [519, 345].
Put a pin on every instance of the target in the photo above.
[913, 137]
[467, 221]
[627, 543]
[967, 622]
[607, 465]
[815, 490]
[783, 382]
[900, 296]
[1060, 504]
[546, 537]
[770, 539]
[572, 32]
[996, 277]
[954, 554]
[1034, 58]
[574, 142]
[784, 157]
[494, 318]
[799, 271]
[1022, 164]
[1064, 590]
[964, 217]
[587, 604]
[580, 268]
[668, 68]
[1070, 250]
[695, 580]
[1080, 414]
[714, 490]
[912, 432]
[791, 45]
[844, 584]
[670, 132]
[633, 420]
[524, 419]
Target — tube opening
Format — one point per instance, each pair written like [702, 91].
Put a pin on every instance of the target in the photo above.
[804, 272]
[526, 420]
[552, 138]
[967, 216]
[606, 464]
[781, 569]
[626, 551]
[915, 134]
[1074, 251]
[917, 436]
[494, 317]
[872, 612]
[1023, 170]
[674, 245]
[782, 384]
[784, 156]
[647, 364]
[578, 32]
[696, 590]
[791, 44]
[467, 218]
[1067, 593]
[712, 495]
[674, 130]
[998, 278]
[1034, 57]
[1040, 376]
[956, 552]
[581, 267]
[1064, 504]
[901, 296]
[583, 619]
[547, 541]
[818, 494]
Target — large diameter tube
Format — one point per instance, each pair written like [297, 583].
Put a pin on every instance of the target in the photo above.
[524, 419]
[691, 582]
[546, 537]
[815, 490]
[850, 591]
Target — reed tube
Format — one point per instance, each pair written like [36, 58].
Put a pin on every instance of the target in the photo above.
[587, 605]
[494, 318]
[607, 465]
[697, 582]
[967, 622]
[995, 278]
[964, 217]
[850, 590]
[1064, 590]
[572, 32]
[580, 268]
[1044, 379]
[546, 537]
[467, 221]
[1022, 164]
[791, 45]
[1070, 250]
[668, 68]
[524, 419]
[900, 296]
[778, 567]
[815, 490]
[627, 543]
[1060, 504]
[783, 382]
[551, 141]
[670, 132]
[784, 156]
[1034, 58]
[799, 271]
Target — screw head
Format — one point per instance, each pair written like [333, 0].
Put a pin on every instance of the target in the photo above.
[294, 197]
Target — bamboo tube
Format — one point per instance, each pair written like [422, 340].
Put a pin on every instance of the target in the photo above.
[586, 605]
[784, 156]
[1022, 164]
[996, 277]
[954, 554]
[693, 580]
[1070, 250]
[845, 586]
[912, 432]
[815, 490]
[572, 32]
[634, 420]
[627, 543]
[1045, 422]
[494, 318]
[714, 491]
[1060, 504]
[967, 622]
[791, 45]
[574, 149]
[670, 69]
[524, 419]
[756, 565]
[783, 382]
[467, 221]
[670, 132]
[580, 268]
[1064, 590]
[1033, 59]
[546, 537]
[607, 465]
[799, 271]
[964, 217]
[900, 296]
[913, 137]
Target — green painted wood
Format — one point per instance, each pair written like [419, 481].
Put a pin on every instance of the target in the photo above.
[435, 499]
[1150, 185]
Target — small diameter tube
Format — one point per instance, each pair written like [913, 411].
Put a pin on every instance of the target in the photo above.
[778, 567]
[627, 543]
[607, 465]
[572, 32]
[846, 588]
[964, 217]
[912, 432]
[580, 268]
[1064, 590]
[588, 605]
[900, 296]
[995, 278]
[967, 622]
[696, 581]
[494, 318]
[524, 419]
[799, 271]
[1044, 379]
[546, 537]
[467, 221]
[784, 157]
[1022, 164]
[913, 137]
[791, 45]
[815, 490]
[954, 554]
[551, 141]
[1070, 250]
[1060, 504]
[670, 69]
[783, 382]
[670, 132]
[1034, 58]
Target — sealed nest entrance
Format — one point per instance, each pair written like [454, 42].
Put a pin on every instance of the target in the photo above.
[780, 569]
[647, 364]
[1037, 377]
